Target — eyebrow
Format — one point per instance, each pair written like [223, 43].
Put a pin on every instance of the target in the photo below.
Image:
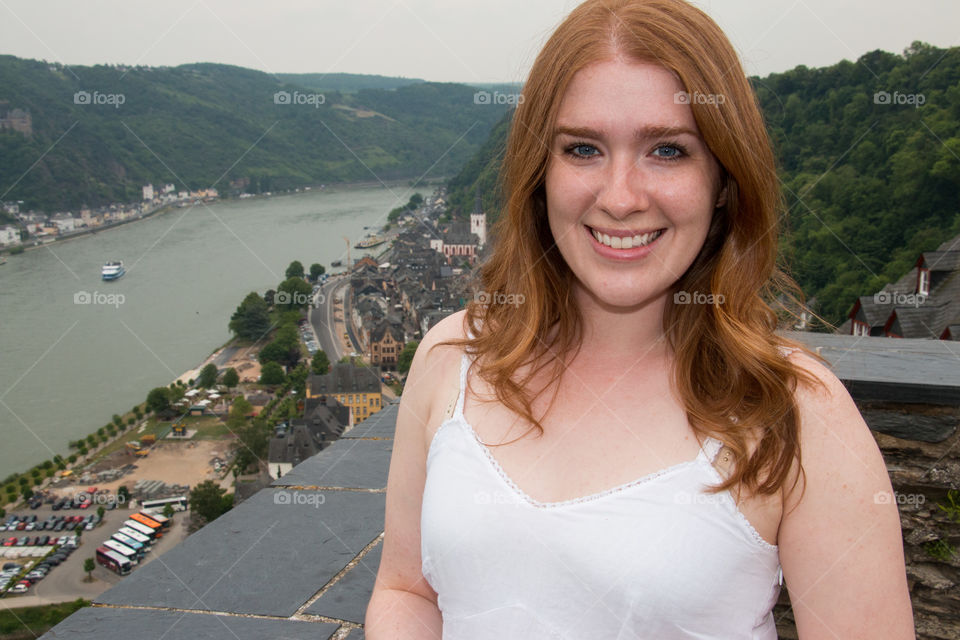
[643, 133]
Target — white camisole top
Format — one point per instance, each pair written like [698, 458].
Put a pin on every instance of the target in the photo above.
[655, 558]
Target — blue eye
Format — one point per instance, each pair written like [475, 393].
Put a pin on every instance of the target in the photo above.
[669, 151]
[581, 150]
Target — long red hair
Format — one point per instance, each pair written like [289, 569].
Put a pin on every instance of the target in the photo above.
[730, 373]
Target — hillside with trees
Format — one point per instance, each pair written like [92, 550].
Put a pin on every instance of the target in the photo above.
[99, 133]
[345, 82]
[869, 159]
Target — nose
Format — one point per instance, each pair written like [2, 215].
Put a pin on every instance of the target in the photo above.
[623, 189]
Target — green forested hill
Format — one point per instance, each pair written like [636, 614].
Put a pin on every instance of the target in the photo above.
[481, 173]
[869, 153]
[344, 82]
[204, 125]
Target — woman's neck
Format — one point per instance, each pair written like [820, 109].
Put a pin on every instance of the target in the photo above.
[628, 334]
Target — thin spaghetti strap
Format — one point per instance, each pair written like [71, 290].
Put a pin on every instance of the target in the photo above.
[464, 367]
[711, 447]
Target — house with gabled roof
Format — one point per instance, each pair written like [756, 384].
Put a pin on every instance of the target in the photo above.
[385, 342]
[924, 303]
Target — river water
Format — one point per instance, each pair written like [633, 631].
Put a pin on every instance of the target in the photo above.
[74, 350]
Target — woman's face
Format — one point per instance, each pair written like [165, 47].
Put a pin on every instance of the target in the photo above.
[628, 164]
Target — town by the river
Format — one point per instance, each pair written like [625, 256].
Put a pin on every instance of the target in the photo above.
[78, 350]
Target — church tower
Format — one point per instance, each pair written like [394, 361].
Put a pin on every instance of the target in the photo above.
[478, 222]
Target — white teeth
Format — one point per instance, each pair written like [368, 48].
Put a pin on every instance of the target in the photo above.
[627, 242]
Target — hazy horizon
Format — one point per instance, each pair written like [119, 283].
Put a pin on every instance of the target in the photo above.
[450, 41]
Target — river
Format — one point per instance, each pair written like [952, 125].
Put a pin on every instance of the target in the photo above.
[67, 365]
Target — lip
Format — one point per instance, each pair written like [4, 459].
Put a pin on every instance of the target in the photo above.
[633, 253]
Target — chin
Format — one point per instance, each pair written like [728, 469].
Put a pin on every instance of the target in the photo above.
[623, 297]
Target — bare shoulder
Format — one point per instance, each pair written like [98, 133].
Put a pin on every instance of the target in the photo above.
[434, 372]
[840, 542]
[830, 423]
[435, 356]
[451, 327]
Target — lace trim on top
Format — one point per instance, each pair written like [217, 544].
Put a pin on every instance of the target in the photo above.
[707, 454]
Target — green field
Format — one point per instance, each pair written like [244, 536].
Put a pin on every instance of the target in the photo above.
[31, 622]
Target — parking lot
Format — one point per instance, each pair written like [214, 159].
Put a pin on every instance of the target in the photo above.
[66, 581]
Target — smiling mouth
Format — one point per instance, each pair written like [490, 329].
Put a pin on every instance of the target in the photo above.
[626, 242]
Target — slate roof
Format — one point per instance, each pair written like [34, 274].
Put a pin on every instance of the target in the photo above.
[898, 310]
[459, 234]
[940, 260]
[324, 421]
[345, 378]
[379, 331]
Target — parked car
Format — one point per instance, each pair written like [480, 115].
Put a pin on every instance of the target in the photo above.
[9, 542]
[21, 587]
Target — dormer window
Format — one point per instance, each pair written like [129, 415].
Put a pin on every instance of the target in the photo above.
[923, 282]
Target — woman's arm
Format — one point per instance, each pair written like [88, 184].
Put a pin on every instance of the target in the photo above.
[841, 547]
[403, 605]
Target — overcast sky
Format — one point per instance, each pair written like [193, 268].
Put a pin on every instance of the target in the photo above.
[440, 40]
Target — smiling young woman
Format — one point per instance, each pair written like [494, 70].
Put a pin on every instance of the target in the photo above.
[629, 450]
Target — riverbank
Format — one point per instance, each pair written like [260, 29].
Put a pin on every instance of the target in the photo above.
[59, 240]
[83, 233]
[182, 461]
[68, 366]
